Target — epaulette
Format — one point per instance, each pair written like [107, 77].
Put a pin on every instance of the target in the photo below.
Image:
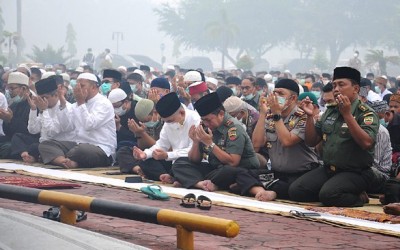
[228, 123]
[362, 107]
[368, 113]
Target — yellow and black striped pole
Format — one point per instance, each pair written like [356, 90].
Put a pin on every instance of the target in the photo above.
[185, 223]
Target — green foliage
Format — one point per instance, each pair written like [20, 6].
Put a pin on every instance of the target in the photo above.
[378, 57]
[49, 55]
[245, 62]
[70, 40]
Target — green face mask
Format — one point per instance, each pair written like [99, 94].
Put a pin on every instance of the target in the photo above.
[105, 88]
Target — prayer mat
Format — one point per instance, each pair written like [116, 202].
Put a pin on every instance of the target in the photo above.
[357, 213]
[35, 182]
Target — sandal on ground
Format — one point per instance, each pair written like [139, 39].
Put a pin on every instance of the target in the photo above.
[53, 213]
[155, 192]
[204, 203]
[188, 201]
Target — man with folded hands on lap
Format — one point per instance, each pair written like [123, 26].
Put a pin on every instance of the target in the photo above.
[230, 154]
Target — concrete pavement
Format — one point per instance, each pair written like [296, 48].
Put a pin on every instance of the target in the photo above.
[257, 230]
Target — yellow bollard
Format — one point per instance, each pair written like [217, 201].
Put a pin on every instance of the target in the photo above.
[67, 215]
[185, 238]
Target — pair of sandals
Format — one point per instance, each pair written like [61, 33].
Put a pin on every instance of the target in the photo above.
[53, 213]
[190, 201]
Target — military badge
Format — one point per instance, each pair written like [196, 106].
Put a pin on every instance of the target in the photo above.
[362, 107]
[228, 123]
[368, 120]
[291, 124]
[232, 134]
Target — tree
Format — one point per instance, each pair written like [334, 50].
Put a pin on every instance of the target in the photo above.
[378, 57]
[210, 25]
[222, 31]
[70, 39]
[48, 55]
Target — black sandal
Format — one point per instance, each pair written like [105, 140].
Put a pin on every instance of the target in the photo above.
[188, 201]
[204, 203]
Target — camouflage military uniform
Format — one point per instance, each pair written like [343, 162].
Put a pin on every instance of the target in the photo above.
[347, 167]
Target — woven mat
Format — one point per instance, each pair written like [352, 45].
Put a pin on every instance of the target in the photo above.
[33, 182]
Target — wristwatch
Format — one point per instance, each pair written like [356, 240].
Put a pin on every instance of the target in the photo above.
[276, 117]
[211, 147]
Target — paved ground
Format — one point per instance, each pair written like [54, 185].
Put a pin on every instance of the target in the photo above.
[257, 230]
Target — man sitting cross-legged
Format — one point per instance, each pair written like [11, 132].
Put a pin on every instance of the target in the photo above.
[174, 143]
[230, 154]
[92, 116]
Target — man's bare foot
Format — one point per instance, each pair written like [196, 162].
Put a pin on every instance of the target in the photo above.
[265, 195]
[261, 194]
[27, 158]
[166, 178]
[209, 186]
[137, 170]
[70, 163]
[392, 208]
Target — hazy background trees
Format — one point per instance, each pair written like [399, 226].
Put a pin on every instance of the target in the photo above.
[319, 29]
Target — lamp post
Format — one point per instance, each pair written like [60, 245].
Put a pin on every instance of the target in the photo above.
[118, 35]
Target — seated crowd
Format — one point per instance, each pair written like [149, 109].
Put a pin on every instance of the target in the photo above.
[306, 138]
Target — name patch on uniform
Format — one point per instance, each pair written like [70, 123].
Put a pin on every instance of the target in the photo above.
[232, 134]
[368, 120]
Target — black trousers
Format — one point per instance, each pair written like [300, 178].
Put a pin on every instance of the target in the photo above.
[340, 189]
[223, 176]
[282, 183]
[152, 168]
[24, 143]
[125, 160]
[85, 154]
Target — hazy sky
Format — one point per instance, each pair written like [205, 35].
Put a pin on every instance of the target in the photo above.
[45, 21]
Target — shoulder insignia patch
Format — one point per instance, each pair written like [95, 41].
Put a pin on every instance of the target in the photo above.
[362, 107]
[232, 134]
[368, 113]
[368, 120]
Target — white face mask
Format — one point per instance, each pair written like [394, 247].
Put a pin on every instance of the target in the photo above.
[119, 111]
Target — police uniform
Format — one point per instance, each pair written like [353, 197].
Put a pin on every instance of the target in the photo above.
[233, 139]
[347, 167]
[289, 163]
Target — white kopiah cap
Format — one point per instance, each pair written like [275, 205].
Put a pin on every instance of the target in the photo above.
[18, 78]
[116, 95]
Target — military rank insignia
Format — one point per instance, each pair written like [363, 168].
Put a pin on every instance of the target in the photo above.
[232, 134]
[362, 107]
[368, 120]
[268, 145]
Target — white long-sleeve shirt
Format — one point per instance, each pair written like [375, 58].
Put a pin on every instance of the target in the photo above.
[3, 105]
[176, 136]
[94, 123]
[50, 125]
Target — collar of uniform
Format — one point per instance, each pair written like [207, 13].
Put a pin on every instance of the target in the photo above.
[222, 127]
[354, 105]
